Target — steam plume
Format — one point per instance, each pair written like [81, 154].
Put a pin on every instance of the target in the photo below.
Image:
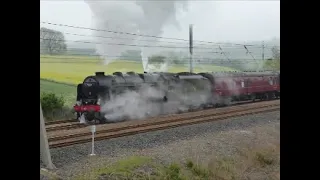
[148, 102]
[138, 17]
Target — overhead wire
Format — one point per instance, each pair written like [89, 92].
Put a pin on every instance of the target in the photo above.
[144, 35]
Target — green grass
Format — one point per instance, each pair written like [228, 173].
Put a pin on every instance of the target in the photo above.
[73, 69]
[272, 64]
[66, 90]
[123, 168]
[261, 162]
[49, 175]
[61, 89]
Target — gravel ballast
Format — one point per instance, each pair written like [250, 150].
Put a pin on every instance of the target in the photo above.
[196, 141]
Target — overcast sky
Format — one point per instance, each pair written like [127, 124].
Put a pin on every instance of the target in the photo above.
[213, 20]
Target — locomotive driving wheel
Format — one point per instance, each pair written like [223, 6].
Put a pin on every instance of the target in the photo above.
[269, 96]
[253, 97]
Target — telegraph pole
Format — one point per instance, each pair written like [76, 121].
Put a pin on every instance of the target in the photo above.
[191, 46]
[262, 50]
[44, 146]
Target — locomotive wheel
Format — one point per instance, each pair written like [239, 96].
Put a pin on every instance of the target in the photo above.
[253, 97]
[102, 120]
[90, 116]
[267, 96]
[77, 115]
[226, 101]
[270, 96]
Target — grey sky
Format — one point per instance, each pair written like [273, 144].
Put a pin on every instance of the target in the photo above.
[213, 20]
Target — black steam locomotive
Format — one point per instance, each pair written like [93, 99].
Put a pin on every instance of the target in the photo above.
[104, 98]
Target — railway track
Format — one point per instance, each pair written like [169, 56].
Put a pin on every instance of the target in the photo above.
[65, 126]
[74, 123]
[60, 122]
[107, 131]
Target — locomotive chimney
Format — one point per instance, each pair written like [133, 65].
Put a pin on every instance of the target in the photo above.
[99, 73]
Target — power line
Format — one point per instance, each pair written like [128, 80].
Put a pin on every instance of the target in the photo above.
[109, 37]
[132, 57]
[142, 35]
[123, 44]
[199, 53]
[118, 32]
[94, 54]
[111, 56]
[136, 45]
[146, 40]
[72, 49]
[119, 44]
[197, 61]
[248, 52]
[99, 55]
[82, 56]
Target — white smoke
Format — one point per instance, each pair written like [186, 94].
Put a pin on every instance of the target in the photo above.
[133, 105]
[226, 81]
[120, 16]
[148, 102]
[163, 67]
[137, 17]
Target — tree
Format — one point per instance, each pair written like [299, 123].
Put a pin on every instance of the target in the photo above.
[274, 62]
[50, 102]
[52, 41]
[173, 57]
[275, 53]
[132, 55]
[157, 59]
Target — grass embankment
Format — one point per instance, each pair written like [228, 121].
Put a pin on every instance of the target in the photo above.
[67, 91]
[261, 162]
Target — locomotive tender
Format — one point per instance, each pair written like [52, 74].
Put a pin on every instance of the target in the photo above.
[162, 92]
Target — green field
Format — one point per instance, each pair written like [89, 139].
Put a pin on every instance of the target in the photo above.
[60, 74]
[71, 69]
[66, 90]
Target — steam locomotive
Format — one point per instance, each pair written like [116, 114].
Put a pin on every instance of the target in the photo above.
[108, 98]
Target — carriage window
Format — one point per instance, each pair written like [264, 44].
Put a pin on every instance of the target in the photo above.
[270, 81]
[242, 84]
